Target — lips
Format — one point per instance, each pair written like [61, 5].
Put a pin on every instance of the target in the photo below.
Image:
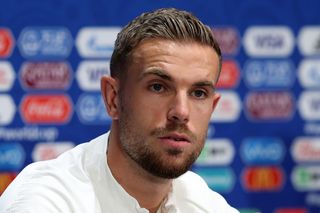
[176, 137]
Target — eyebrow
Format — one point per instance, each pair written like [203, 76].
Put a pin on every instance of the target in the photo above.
[162, 74]
[158, 72]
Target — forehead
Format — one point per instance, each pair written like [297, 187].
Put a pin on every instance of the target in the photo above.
[176, 58]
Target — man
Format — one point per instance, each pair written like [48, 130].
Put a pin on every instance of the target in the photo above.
[160, 96]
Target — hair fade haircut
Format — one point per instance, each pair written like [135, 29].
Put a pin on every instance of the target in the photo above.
[169, 24]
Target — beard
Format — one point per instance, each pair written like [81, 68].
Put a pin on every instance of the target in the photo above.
[140, 146]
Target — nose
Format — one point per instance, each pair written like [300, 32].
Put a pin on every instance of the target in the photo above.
[179, 109]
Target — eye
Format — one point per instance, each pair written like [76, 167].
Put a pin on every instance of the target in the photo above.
[200, 94]
[156, 87]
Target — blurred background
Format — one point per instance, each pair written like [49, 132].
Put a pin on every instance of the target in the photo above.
[263, 148]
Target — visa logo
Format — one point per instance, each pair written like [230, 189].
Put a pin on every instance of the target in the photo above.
[218, 179]
[268, 41]
[263, 150]
[89, 74]
[12, 156]
[262, 74]
[91, 109]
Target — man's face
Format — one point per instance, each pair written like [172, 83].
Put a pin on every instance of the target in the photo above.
[166, 102]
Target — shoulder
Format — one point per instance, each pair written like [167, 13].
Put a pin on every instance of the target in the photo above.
[56, 185]
[194, 191]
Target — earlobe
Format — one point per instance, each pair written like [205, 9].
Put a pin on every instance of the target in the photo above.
[109, 92]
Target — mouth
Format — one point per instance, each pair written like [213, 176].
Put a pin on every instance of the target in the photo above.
[175, 140]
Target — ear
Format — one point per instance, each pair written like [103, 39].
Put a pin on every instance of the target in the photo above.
[216, 99]
[109, 91]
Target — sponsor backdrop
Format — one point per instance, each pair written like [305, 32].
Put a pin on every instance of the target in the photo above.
[263, 147]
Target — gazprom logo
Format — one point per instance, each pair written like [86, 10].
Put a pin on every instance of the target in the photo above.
[260, 74]
[45, 42]
[91, 109]
[96, 42]
[262, 150]
[268, 41]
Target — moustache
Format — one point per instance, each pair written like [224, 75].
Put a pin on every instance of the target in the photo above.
[173, 127]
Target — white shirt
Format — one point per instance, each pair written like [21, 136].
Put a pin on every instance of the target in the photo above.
[80, 181]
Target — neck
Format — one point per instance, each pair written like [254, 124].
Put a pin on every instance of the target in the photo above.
[148, 190]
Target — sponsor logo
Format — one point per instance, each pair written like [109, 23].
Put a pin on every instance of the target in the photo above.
[306, 150]
[45, 75]
[50, 150]
[216, 152]
[229, 76]
[313, 199]
[219, 179]
[249, 211]
[5, 179]
[8, 109]
[309, 40]
[309, 73]
[45, 42]
[266, 178]
[269, 106]
[306, 178]
[6, 42]
[291, 210]
[228, 108]
[89, 74]
[45, 109]
[12, 156]
[91, 110]
[96, 42]
[269, 41]
[7, 76]
[228, 39]
[309, 105]
[263, 150]
[269, 74]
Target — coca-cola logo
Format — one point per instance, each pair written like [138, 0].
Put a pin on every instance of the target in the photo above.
[46, 75]
[229, 76]
[269, 105]
[46, 109]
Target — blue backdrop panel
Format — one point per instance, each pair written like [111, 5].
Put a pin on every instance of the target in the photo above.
[263, 147]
